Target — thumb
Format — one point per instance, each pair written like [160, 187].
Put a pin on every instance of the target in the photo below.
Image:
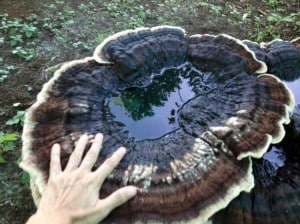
[105, 206]
[119, 197]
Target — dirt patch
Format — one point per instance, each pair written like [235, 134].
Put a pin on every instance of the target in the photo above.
[18, 9]
[53, 32]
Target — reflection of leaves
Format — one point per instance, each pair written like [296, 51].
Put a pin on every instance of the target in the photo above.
[139, 101]
[135, 104]
[172, 120]
[119, 102]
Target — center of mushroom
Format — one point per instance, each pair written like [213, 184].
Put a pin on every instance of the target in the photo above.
[151, 111]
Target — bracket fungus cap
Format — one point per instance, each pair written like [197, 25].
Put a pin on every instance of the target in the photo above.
[189, 173]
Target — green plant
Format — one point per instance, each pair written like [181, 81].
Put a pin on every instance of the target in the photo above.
[10, 26]
[32, 18]
[26, 54]
[7, 143]
[131, 11]
[17, 33]
[216, 10]
[232, 10]
[3, 75]
[273, 3]
[293, 18]
[10, 67]
[17, 119]
[202, 4]
[100, 37]
[83, 7]
[29, 30]
[26, 178]
[15, 40]
[259, 32]
[80, 44]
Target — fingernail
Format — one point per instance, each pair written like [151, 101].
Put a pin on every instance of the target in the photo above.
[98, 137]
[55, 147]
[83, 138]
[122, 150]
[131, 191]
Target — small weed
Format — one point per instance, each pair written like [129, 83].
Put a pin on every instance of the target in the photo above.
[80, 44]
[277, 18]
[259, 32]
[29, 30]
[68, 10]
[32, 18]
[100, 37]
[273, 3]
[164, 21]
[216, 10]
[83, 7]
[17, 119]
[10, 27]
[17, 32]
[16, 40]
[7, 143]
[26, 178]
[130, 11]
[232, 10]
[3, 75]
[10, 67]
[203, 4]
[5, 72]
[26, 54]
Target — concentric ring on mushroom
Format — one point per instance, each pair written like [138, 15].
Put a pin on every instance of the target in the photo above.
[197, 114]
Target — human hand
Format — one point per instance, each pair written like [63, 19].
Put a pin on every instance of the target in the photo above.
[72, 195]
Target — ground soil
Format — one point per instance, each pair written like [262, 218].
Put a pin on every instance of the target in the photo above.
[65, 26]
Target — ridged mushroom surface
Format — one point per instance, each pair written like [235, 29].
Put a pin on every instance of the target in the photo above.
[221, 107]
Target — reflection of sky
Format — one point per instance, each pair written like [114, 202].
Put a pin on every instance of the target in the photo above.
[151, 127]
[275, 156]
[295, 87]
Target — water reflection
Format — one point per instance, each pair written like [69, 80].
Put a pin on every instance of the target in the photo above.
[276, 157]
[294, 86]
[151, 111]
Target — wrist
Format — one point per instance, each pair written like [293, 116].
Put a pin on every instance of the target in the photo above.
[49, 217]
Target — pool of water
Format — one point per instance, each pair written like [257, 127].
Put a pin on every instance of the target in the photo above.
[151, 112]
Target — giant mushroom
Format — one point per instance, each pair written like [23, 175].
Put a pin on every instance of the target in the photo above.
[208, 94]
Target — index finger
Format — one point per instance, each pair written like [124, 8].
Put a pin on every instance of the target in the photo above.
[55, 164]
[92, 155]
[109, 165]
[76, 155]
